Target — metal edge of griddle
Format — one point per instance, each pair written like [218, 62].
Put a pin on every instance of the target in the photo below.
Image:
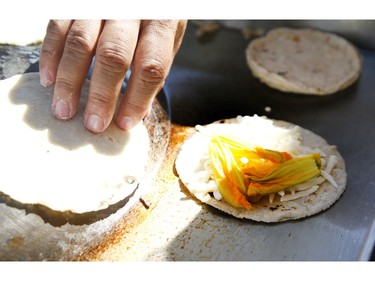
[367, 252]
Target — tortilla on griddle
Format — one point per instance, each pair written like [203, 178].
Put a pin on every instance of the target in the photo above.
[304, 61]
[272, 134]
[60, 164]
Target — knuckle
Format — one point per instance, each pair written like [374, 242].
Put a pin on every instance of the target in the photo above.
[101, 100]
[153, 72]
[56, 27]
[65, 89]
[139, 103]
[48, 50]
[113, 57]
[56, 31]
[79, 43]
[65, 83]
[162, 25]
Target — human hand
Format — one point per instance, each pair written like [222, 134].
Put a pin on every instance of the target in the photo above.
[149, 47]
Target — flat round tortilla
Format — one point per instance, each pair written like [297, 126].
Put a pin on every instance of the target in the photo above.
[304, 61]
[60, 164]
[194, 152]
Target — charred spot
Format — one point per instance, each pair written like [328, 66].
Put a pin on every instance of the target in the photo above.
[282, 73]
[274, 208]
[15, 242]
[296, 38]
[143, 202]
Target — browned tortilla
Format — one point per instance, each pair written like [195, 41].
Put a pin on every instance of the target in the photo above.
[264, 211]
[304, 61]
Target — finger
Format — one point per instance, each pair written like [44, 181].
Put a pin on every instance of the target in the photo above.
[113, 57]
[151, 64]
[73, 67]
[180, 32]
[52, 49]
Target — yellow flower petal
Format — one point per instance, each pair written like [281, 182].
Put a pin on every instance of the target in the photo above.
[243, 173]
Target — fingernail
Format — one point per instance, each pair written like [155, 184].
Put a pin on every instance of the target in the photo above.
[126, 123]
[95, 123]
[46, 78]
[62, 110]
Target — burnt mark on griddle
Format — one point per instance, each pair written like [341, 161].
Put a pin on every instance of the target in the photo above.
[143, 202]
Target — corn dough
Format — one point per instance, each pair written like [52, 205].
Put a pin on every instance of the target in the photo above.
[60, 164]
[304, 61]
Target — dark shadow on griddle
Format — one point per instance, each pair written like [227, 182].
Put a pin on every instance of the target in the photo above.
[18, 59]
[59, 218]
[302, 101]
[203, 98]
[34, 67]
[213, 81]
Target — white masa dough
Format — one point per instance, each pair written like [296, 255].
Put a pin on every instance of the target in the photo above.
[304, 61]
[60, 164]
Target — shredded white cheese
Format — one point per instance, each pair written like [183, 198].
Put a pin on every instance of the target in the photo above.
[270, 137]
[308, 184]
[300, 194]
[329, 178]
[217, 195]
[332, 161]
[271, 197]
[281, 193]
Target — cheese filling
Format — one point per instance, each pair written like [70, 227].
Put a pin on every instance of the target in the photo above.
[258, 131]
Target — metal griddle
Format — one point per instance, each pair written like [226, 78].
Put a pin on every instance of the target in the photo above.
[35, 232]
[208, 81]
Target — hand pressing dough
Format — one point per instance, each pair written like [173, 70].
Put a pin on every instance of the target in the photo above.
[60, 164]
